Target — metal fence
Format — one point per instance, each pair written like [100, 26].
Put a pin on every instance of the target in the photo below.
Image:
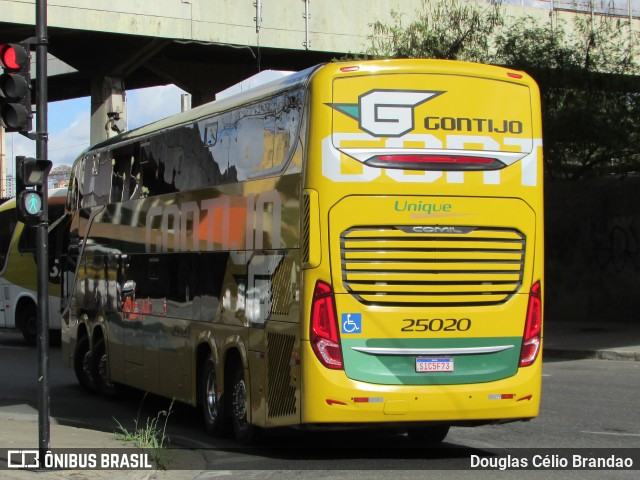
[622, 8]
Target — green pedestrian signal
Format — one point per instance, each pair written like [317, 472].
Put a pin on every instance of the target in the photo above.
[31, 179]
[30, 206]
[33, 203]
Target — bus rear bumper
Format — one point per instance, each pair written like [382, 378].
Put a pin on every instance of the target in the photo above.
[329, 397]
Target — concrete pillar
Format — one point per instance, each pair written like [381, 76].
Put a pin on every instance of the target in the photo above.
[3, 165]
[108, 108]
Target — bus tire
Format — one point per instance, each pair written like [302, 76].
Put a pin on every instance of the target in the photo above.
[244, 432]
[213, 409]
[99, 365]
[82, 363]
[29, 324]
[433, 434]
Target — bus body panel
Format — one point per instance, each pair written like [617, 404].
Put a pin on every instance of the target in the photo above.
[332, 398]
[412, 189]
[413, 280]
[435, 265]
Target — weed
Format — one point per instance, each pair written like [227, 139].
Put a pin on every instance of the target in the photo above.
[151, 436]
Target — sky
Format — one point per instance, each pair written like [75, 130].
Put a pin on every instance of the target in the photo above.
[69, 121]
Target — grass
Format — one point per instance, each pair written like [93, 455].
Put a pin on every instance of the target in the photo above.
[150, 436]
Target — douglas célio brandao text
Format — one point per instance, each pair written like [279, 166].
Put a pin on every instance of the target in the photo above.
[553, 461]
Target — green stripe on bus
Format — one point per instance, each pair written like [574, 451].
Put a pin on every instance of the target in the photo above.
[401, 369]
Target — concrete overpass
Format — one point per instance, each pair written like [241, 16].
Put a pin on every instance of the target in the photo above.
[204, 46]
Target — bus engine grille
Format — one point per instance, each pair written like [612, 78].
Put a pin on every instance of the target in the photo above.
[281, 394]
[446, 266]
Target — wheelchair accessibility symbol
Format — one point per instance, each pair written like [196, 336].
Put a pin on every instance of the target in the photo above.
[352, 323]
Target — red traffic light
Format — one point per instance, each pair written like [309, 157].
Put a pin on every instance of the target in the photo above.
[15, 87]
[13, 56]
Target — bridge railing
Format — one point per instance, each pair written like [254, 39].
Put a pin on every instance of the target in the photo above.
[622, 8]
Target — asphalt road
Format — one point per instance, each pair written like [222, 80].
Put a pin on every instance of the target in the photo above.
[587, 405]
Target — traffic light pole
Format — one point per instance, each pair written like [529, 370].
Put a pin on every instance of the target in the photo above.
[42, 254]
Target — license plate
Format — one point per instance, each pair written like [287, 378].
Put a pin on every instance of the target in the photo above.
[428, 365]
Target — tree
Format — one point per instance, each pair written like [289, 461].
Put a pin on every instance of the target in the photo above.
[589, 89]
[450, 29]
[587, 74]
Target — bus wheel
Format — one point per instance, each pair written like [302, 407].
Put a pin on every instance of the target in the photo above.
[29, 324]
[82, 363]
[215, 420]
[435, 434]
[100, 370]
[244, 432]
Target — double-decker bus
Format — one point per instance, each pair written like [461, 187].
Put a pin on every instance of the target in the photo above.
[355, 244]
[18, 271]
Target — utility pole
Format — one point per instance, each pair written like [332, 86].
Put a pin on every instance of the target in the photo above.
[31, 180]
[42, 149]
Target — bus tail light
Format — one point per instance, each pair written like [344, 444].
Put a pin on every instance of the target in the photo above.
[435, 162]
[325, 339]
[533, 327]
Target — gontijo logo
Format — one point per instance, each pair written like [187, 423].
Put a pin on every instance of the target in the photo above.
[390, 113]
[386, 113]
[387, 124]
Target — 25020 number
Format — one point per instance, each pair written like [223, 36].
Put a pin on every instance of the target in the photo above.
[436, 324]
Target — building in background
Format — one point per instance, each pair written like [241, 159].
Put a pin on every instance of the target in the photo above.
[58, 178]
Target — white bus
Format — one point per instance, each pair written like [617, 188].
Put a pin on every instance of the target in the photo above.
[18, 278]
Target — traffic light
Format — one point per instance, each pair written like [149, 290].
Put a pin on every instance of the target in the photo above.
[15, 87]
[31, 176]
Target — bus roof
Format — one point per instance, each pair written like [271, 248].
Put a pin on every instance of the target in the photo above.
[257, 93]
[291, 82]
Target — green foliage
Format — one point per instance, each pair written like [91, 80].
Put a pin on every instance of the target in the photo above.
[590, 109]
[587, 72]
[452, 30]
[151, 436]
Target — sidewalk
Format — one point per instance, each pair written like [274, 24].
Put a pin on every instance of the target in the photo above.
[603, 342]
[19, 429]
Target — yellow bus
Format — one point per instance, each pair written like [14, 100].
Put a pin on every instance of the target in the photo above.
[357, 244]
[18, 271]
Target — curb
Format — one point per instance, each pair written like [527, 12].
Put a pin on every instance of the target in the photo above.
[593, 355]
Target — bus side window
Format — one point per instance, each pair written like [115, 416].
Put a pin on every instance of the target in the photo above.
[74, 196]
[80, 183]
[218, 134]
[102, 174]
[135, 177]
[257, 140]
[252, 146]
[148, 171]
[97, 179]
[118, 173]
[178, 161]
[288, 119]
[125, 168]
